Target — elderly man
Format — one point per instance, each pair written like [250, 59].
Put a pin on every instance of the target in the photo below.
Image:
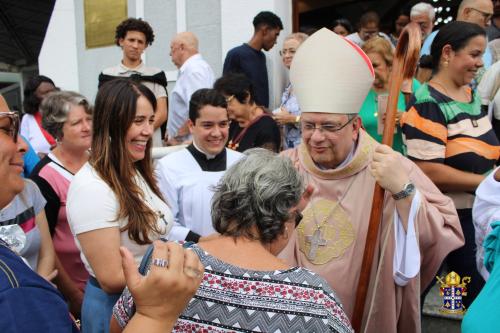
[419, 225]
[479, 12]
[423, 14]
[186, 177]
[133, 36]
[194, 73]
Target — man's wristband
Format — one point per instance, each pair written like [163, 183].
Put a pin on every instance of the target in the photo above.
[407, 190]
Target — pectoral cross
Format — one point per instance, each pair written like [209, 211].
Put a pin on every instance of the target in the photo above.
[315, 242]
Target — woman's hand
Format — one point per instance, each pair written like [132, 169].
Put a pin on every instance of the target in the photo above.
[284, 117]
[163, 294]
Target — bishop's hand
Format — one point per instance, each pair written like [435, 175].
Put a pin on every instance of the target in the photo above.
[387, 169]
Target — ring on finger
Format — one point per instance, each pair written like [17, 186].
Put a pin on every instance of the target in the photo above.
[193, 272]
[160, 262]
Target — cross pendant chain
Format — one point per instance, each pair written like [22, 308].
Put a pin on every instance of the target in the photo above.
[315, 241]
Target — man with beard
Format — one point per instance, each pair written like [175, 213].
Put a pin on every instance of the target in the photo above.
[419, 225]
[186, 177]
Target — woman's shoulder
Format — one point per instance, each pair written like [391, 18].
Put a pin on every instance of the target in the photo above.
[425, 93]
[267, 120]
[87, 181]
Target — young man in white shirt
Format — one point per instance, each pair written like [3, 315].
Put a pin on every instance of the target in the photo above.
[186, 178]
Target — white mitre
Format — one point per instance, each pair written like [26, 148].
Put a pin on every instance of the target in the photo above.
[330, 74]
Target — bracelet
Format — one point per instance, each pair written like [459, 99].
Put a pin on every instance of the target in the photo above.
[297, 119]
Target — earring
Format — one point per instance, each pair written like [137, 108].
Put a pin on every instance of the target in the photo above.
[445, 63]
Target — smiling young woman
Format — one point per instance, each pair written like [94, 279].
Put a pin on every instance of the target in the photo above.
[450, 137]
[114, 200]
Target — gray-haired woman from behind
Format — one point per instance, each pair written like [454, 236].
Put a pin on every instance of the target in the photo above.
[245, 286]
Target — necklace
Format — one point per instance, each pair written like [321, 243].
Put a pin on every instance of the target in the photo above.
[151, 202]
[467, 98]
[234, 144]
[316, 239]
[467, 95]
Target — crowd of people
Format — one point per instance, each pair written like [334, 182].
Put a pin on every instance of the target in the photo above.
[258, 221]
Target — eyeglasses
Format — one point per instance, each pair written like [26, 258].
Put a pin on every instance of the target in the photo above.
[487, 16]
[287, 51]
[12, 129]
[298, 218]
[229, 98]
[309, 128]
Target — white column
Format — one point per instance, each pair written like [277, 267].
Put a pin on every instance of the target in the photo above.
[58, 57]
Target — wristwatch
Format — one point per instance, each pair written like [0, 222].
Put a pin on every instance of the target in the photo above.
[407, 190]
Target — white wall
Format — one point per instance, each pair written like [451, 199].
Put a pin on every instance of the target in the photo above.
[219, 24]
[237, 28]
[58, 56]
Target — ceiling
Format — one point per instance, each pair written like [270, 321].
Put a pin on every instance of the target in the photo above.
[23, 25]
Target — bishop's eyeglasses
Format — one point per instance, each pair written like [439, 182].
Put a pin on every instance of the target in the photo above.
[309, 128]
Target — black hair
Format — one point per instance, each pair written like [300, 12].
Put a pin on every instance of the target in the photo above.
[202, 97]
[344, 23]
[237, 85]
[425, 61]
[369, 17]
[133, 24]
[268, 19]
[31, 102]
[456, 34]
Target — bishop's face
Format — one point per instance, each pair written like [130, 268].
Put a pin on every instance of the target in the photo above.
[326, 146]
[210, 130]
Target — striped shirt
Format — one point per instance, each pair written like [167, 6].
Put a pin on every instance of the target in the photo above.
[439, 129]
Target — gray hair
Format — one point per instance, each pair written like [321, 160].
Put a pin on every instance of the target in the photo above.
[56, 107]
[298, 36]
[256, 193]
[423, 8]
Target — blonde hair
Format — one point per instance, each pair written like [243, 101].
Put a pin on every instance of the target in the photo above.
[381, 46]
[298, 36]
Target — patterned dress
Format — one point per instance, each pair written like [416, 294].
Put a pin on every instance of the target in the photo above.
[291, 131]
[232, 299]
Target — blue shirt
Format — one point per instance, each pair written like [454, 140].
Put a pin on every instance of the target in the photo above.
[251, 62]
[30, 158]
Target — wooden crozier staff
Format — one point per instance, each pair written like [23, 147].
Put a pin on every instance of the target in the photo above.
[403, 67]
